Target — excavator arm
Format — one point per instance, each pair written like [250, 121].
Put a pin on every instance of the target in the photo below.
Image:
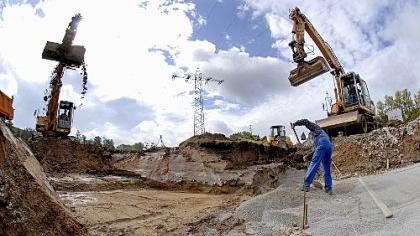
[68, 56]
[307, 70]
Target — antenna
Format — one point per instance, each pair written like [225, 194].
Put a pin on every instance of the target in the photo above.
[199, 81]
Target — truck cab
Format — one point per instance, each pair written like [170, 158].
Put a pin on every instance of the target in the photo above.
[6, 107]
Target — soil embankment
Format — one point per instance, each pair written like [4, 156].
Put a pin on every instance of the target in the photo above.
[28, 203]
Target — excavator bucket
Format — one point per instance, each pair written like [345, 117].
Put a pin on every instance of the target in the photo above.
[308, 70]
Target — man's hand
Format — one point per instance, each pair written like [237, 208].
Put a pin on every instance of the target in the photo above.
[292, 125]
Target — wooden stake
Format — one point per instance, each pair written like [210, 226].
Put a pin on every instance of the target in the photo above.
[305, 208]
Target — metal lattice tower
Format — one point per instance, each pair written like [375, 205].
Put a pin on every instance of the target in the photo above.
[199, 81]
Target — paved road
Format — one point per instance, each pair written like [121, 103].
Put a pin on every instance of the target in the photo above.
[351, 211]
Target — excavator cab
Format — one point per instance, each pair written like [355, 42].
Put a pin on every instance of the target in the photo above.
[62, 124]
[65, 117]
[355, 91]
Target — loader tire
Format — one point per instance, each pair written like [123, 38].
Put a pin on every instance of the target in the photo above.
[364, 124]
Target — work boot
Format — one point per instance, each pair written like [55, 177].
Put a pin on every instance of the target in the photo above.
[328, 191]
[303, 187]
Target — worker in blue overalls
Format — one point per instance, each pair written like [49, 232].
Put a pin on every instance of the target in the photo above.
[322, 153]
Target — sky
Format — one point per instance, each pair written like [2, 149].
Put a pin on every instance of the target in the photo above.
[133, 47]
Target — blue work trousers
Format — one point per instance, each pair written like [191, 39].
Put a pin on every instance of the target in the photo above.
[322, 154]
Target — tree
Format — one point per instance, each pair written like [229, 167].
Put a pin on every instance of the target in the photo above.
[409, 106]
[137, 147]
[25, 134]
[97, 141]
[417, 99]
[381, 110]
[244, 135]
[78, 136]
[108, 143]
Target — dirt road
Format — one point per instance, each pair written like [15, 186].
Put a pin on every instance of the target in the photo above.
[145, 211]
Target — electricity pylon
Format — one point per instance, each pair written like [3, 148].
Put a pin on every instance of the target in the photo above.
[199, 81]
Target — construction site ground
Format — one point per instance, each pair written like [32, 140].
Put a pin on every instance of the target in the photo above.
[145, 211]
[207, 186]
[350, 211]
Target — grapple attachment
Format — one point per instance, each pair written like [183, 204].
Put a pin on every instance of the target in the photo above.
[71, 56]
[308, 70]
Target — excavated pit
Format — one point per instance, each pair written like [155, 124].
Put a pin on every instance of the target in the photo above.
[207, 174]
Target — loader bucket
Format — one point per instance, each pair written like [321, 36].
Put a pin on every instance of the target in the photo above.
[73, 56]
[308, 70]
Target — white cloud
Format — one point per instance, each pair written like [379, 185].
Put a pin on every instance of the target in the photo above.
[118, 37]
[376, 38]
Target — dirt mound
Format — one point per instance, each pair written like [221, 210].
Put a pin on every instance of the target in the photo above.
[69, 156]
[236, 154]
[205, 173]
[28, 204]
[203, 138]
[215, 161]
[369, 153]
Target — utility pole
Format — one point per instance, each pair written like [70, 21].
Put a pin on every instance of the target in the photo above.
[199, 81]
[161, 141]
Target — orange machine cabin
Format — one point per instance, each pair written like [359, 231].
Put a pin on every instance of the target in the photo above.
[6, 108]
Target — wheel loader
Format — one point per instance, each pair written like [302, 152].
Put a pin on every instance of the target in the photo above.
[277, 137]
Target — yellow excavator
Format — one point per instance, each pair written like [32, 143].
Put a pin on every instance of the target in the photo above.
[353, 110]
[59, 115]
[277, 137]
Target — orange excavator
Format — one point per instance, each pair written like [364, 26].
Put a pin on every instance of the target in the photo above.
[353, 110]
[59, 115]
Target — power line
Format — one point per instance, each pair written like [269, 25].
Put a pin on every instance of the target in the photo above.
[209, 13]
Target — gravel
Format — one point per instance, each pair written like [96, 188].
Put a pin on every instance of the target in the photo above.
[350, 211]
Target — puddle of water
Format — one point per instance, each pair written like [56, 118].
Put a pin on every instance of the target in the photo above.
[77, 199]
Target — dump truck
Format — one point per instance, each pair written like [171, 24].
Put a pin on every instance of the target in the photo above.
[59, 116]
[6, 107]
[353, 110]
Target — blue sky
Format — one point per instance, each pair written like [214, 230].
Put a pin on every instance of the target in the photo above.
[228, 25]
[134, 47]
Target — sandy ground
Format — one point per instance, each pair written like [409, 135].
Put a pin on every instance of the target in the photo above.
[145, 211]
